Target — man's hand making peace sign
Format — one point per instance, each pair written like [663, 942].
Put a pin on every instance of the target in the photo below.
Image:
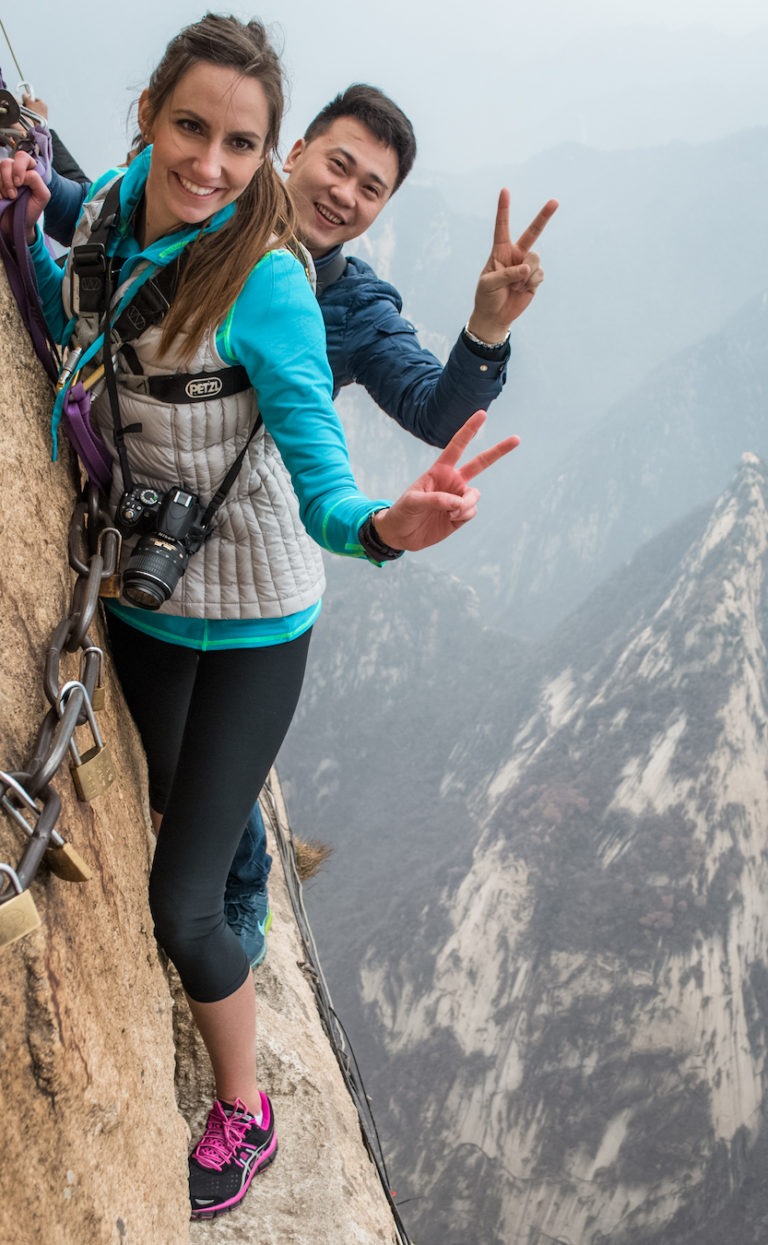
[511, 277]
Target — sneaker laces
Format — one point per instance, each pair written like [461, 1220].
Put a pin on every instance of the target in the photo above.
[223, 1134]
[236, 910]
[242, 912]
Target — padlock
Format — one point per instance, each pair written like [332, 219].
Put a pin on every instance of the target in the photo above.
[110, 587]
[110, 546]
[61, 858]
[99, 696]
[92, 772]
[18, 914]
[67, 863]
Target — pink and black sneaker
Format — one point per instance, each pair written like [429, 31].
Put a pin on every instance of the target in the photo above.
[231, 1151]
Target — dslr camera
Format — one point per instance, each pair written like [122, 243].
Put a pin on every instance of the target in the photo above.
[171, 530]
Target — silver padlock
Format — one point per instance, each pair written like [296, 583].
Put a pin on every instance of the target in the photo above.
[18, 914]
[92, 772]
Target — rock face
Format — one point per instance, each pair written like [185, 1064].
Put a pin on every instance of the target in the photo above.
[87, 1065]
[593, 1021]
[562, 1013]
[94, 1147]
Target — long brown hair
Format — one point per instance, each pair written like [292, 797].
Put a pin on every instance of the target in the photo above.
[263, 219]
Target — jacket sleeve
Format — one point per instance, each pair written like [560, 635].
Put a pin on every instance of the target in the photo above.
[65, 163]
[49, 278]
[63, 207]
[276, 332]
[410, 383]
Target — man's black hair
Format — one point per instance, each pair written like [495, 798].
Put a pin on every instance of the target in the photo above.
[379, 114]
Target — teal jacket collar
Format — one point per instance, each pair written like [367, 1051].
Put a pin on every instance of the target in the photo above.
[131, 189]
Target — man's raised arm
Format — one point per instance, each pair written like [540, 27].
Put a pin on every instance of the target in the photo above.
[383, 353]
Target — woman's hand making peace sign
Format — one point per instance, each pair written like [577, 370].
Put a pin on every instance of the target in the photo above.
[441, 500]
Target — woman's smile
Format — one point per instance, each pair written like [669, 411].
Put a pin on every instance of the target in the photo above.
[193, 189]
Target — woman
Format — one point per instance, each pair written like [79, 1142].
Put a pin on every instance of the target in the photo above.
[212, 677]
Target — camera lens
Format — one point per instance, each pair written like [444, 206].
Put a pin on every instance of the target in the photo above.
[145, 594]
[153, 571]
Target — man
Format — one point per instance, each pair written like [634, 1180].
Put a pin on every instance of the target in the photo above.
[351, 160]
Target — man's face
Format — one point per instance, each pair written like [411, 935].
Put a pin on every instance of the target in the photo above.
[340, 182]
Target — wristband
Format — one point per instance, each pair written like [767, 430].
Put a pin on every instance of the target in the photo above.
[373, 547]
[478, 341]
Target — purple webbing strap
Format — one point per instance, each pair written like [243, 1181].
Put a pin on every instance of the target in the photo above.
[87, 444]
[21, 277]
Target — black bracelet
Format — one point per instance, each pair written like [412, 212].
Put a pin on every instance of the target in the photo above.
[374, 547]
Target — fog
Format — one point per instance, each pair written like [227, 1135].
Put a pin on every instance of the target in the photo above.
[483, 86]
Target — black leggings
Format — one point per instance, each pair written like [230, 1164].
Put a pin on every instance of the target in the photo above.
[212, 724]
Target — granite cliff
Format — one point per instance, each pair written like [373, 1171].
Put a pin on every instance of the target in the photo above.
[590, 1002]
[563, 1005]
[94, 1144]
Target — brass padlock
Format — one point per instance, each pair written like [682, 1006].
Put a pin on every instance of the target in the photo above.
[110, 587]
[18, 914]
[92, 772]
[110, 584]
[67, 864]
[61, 858]
[99, 696]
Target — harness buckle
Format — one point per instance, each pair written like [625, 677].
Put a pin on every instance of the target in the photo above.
[89, 277]
[147, 308]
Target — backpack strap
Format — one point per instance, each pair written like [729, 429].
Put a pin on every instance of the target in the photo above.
[88, 270]
[330, 273]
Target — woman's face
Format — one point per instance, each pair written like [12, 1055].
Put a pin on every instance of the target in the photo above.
[207, 144]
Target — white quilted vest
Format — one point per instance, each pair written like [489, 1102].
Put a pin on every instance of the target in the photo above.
[259, 562]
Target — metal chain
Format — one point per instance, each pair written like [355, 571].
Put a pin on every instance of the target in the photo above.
[25, 791]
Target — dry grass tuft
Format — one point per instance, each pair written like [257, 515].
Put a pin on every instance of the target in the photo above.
[311, 855]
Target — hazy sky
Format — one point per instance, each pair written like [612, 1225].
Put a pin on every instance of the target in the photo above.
[484, 83]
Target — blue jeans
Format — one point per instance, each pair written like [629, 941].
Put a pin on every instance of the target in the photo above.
[251, 865]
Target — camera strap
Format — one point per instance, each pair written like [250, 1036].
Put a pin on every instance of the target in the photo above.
[114, 400]
[219, 378]
[229, 478]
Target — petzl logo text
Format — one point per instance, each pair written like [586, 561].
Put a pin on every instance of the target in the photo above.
[203, 388]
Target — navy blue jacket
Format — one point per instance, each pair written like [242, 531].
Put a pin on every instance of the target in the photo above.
[370, 343]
